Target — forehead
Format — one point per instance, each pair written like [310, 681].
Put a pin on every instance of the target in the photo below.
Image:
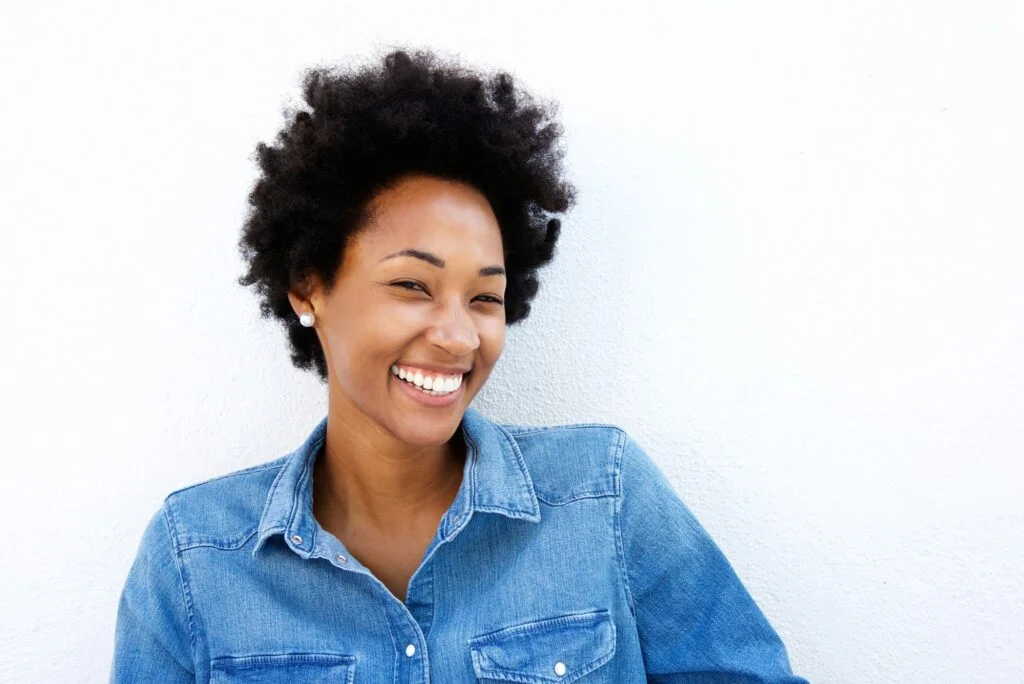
[433, 214]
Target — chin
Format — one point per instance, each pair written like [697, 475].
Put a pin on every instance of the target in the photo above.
[427, 432]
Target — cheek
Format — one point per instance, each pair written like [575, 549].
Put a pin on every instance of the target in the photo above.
[492, 340]
[378, 327]
[361, 345]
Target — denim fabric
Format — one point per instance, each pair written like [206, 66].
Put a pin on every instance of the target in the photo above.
[566, 556]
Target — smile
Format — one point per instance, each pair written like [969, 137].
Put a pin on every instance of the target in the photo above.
[432, 384]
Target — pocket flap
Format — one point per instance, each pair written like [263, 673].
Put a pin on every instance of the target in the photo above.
[558, 649]
[278, 668]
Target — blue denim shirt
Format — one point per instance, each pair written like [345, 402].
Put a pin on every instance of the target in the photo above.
[565, 556]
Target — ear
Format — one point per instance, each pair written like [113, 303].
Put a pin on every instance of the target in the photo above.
[305, 295]
[298, 304]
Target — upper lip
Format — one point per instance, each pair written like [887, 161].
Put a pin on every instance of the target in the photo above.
[446, 370]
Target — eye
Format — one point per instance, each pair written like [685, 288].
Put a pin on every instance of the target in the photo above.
[414, 286]
[409, 285]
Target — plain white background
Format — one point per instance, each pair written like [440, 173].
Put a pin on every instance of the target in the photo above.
[794, 275]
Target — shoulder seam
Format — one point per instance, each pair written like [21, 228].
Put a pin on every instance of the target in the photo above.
[620, 553]
[186, 595]
[276, 463]
[522, 430]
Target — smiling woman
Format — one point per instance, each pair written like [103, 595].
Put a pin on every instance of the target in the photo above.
[396, 229]
[421, 287]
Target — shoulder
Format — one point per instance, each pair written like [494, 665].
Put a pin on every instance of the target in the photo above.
[223, 511]
[571, 461]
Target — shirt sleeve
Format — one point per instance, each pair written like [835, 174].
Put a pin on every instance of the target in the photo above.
[152, 639]
[696, 622]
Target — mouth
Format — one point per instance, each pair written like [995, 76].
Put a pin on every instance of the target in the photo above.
[429, 387]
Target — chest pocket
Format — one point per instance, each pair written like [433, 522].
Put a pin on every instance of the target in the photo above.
[558, 649]
[286, 668]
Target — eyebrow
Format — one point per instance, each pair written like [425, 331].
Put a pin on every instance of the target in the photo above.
[437, 261]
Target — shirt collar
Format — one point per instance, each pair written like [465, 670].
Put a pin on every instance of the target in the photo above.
[495, 480]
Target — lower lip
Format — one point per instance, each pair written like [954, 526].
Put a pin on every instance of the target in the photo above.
[426, 399]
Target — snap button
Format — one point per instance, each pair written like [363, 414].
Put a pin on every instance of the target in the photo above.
[559, 669]
[297, 539]
[410, 650]
[341, 559]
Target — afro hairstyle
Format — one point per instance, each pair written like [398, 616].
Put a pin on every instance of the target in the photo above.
[361, 130]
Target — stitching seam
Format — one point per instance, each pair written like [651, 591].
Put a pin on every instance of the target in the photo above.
[232, 544]
[276, 463]
[576, 497]
[521, 431]
[185, 593]
[619, 551]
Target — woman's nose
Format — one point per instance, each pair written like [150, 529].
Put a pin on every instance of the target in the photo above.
[454, 332]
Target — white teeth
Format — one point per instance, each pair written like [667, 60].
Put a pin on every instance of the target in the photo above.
[434, 385]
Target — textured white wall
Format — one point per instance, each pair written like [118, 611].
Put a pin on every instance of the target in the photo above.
[794, 275]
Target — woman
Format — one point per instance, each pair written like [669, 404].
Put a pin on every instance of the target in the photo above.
[395, 230]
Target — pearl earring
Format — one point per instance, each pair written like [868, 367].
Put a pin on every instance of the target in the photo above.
[307, 319]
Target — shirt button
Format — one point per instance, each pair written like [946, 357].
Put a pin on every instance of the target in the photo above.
[297, 539]
[341, 559]
[410, 650]
[559, 669]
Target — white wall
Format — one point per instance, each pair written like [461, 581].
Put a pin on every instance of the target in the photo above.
[793, 274]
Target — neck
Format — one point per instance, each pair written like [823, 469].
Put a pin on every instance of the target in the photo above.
[366, 478]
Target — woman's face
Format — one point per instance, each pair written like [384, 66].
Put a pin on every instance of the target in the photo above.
[421, 289]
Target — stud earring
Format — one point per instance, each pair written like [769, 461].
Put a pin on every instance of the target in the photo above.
[307, 319]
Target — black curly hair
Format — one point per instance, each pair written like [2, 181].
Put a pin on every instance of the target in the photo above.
[363, 130]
